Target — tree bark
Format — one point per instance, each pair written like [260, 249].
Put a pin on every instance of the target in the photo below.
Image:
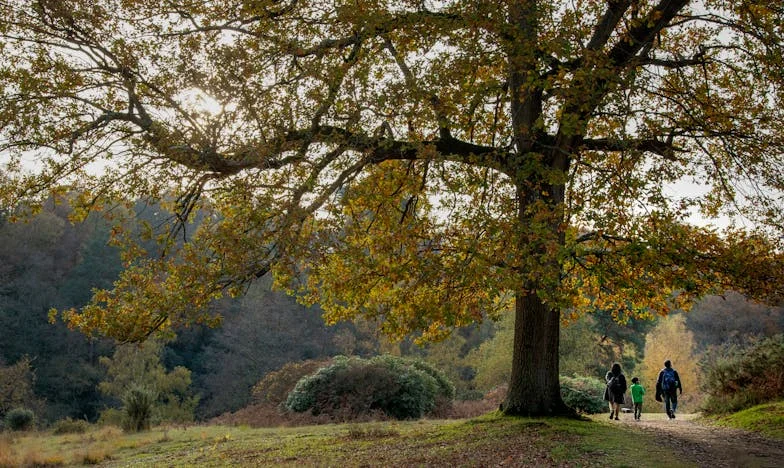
[534, 388]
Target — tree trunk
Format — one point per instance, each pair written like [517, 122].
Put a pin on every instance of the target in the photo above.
[534, 389]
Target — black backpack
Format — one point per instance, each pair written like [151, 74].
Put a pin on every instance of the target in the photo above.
[614, 384]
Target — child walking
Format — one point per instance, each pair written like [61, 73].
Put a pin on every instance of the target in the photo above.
[637, 393]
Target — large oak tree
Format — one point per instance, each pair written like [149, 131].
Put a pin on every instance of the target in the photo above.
[421, 163]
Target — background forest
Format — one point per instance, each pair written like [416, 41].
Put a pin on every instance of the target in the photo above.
[202, 372]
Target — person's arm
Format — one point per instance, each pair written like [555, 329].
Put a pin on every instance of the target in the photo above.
[680, 385]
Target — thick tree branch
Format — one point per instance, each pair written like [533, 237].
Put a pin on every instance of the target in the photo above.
[698, 60]
[279, 152]
[606, 25]
[577, 110]
[644, 32]
[663, 148]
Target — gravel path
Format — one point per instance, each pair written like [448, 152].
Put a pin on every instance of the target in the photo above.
[710, 445]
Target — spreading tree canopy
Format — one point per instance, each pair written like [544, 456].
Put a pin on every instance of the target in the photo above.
[421, 163]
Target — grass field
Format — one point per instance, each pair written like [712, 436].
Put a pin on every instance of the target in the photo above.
[487, 440]
[767, 419]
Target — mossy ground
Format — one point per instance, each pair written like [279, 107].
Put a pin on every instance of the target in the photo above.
[767, 419]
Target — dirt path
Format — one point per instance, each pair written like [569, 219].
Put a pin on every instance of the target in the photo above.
[709, 445]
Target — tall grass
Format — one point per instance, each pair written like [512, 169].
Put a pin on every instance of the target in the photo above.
[94, 446]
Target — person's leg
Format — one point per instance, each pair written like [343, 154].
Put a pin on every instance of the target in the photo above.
[612, 408]
[667, 404]
[674, 403]
[617, 409]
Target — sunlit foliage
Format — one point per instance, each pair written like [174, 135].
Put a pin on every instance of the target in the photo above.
[671, 340]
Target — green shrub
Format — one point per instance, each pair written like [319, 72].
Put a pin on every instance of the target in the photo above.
[275, 386]
[19, 419]
[400, 388]
[415, 395]
[584, 394]
[303, 397]
[446, 388]
[70, 426]
[138, 403]
[737, 378]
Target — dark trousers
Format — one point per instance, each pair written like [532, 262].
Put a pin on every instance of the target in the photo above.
[637, 410]
[670, 402]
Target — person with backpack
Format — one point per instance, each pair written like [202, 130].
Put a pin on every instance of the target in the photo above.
[668, 385]
[616, 388]
[637, 392]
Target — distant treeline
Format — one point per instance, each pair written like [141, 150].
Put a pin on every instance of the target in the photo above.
[48, 262]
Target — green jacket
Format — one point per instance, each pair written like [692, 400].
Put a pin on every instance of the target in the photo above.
[637, 393]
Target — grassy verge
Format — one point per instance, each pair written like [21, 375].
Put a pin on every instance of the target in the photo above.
[767, 419]
[487, 440]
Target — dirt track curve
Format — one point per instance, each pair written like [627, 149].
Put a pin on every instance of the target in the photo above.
[709, 445]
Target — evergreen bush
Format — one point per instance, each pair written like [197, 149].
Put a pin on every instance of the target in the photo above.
[415, 395]
[399, 388]
[275, 386]
[446, 388]
[19, 419]
[584, 394]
